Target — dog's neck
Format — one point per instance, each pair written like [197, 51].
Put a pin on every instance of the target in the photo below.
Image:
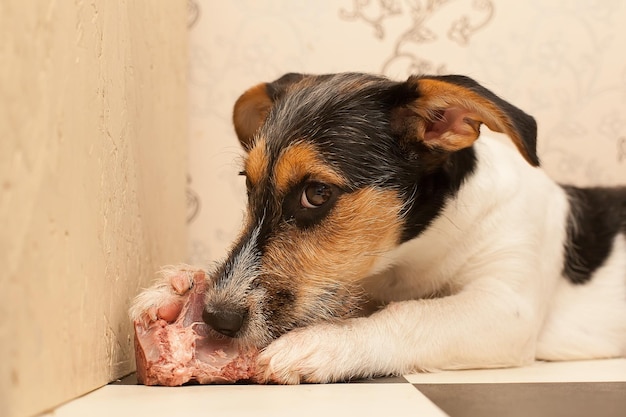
[428, 264]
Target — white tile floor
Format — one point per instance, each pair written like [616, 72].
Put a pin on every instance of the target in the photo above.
[386, 397]
[610, 370]
[253, 400]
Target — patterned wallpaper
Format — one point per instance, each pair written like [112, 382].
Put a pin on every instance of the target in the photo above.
[561, 61]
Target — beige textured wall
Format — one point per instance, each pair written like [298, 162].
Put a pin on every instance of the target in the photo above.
[93, 114]
[562, 61]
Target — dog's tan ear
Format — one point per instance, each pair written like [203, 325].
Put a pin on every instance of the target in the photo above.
[445, 113]
[250, 112]
[252, 108]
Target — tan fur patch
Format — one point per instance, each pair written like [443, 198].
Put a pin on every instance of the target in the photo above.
[250, 112]
[298, 161]
[341, 250]
[439, 95]
[256, 163]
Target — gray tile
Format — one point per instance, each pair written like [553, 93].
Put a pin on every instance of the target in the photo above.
[597, 399]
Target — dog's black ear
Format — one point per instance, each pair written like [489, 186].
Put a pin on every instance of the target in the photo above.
[445, 113]
[252, 108]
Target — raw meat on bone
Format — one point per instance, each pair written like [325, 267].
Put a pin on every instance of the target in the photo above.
[187, 350]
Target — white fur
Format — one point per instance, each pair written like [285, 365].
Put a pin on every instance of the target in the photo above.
[482, 287]
[173, 284]
[589, 320]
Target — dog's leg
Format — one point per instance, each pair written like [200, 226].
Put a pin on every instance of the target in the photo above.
[473, 329]
[164, 299]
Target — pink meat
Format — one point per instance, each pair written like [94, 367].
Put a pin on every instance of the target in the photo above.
[187, 350]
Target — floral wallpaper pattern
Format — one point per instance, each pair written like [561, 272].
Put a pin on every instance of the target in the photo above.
[561, 61]
[459, 28]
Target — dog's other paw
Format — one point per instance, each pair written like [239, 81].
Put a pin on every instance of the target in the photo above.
[164, 300]
[316, 354]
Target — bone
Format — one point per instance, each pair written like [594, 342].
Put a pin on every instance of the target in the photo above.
[185, 350]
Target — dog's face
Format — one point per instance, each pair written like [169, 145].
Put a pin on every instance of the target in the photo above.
[340, 170]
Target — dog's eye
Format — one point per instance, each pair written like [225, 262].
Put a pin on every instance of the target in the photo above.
[315, 194]
[308, 203]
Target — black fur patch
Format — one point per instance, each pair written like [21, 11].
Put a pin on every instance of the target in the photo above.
[348, 119]
[597, 215]
[433, 190]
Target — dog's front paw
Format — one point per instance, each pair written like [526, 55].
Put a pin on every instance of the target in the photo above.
[164, 300]
[315, 354]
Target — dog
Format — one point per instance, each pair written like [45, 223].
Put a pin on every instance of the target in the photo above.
[384, 236]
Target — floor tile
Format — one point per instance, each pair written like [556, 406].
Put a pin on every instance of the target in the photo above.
[574, 399]
[253, 400]
[572, 389]
[578, 371]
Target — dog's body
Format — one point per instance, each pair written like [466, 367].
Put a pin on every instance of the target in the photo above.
[364, 191]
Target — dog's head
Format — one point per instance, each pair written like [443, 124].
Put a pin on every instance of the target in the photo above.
[341, 169]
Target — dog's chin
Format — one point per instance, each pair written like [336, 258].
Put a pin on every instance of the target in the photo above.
[260, 332]
[255, 337]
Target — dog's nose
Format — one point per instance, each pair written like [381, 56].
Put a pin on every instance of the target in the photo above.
[225, 322]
